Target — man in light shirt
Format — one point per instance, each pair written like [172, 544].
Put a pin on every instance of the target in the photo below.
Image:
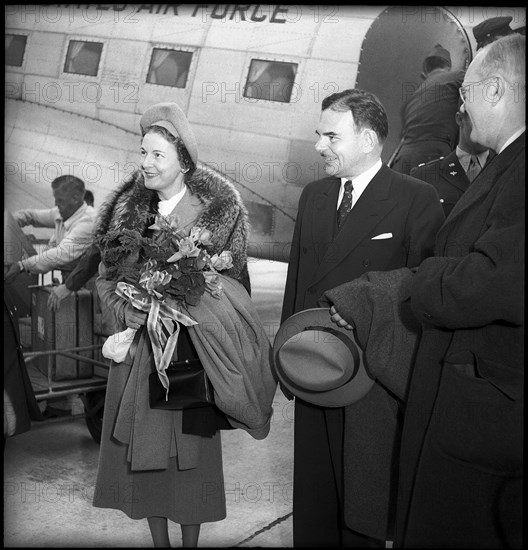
[74, 224]
[363, 216]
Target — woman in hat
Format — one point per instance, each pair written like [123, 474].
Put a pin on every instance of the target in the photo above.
[161, 464]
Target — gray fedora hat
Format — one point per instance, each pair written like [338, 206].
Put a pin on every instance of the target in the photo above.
[318, 361]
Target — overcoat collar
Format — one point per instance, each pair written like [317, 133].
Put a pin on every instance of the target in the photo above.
[372, 206]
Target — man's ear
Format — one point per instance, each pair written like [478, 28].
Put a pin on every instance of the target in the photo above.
[370, 139]
[495, 89]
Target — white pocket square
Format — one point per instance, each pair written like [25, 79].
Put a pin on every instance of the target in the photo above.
[382, 236]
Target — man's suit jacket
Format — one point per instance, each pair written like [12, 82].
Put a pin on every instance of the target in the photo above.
[322, 258]
[447, 176]
[461, 460]
[409, 214]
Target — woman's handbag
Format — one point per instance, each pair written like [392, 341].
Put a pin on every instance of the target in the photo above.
[189, 387]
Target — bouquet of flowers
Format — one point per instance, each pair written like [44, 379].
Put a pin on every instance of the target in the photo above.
[161, 274]
[175, 267]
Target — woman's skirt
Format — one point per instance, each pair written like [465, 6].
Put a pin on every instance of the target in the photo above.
[185, 496]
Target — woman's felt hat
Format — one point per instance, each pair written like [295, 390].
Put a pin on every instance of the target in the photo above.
[173, 119]
[320, 362]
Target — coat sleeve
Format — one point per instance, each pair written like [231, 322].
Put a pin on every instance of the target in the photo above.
[426, 216]
[484, 286]
[76, 241]
[37, 218]
[107, 295]
[377, 304]
[85, 269]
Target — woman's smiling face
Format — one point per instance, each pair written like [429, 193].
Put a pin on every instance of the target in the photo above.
[161, 166]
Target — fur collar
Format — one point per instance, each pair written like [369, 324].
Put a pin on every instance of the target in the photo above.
[133, 206]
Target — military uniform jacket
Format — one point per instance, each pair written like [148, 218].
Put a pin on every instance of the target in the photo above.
[428, 119]
[448, 178]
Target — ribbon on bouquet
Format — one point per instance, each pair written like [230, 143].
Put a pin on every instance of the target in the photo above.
[160, 316]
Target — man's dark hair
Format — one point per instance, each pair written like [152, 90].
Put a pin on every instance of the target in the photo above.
[366, 108]
[432, 63]
[73, 184]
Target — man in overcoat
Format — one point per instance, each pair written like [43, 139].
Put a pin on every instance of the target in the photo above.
[461, 455]
[342, 496]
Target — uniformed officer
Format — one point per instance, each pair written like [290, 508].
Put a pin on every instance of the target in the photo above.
[451, 175]
[428, 116]
[491, 29]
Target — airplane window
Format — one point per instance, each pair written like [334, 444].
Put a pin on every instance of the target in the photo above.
[271, 80]
[15, 46]
[83, 57]
[169, 68]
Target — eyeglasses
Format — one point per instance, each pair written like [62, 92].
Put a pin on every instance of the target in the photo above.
[466, 90]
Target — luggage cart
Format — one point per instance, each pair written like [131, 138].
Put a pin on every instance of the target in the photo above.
[91, 391]
[63, 357]
[61, 350]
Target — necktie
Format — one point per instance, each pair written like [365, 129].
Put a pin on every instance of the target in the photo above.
[346, 203]
[474, 168]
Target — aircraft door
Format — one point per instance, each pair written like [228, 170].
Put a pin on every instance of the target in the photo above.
[392, 53]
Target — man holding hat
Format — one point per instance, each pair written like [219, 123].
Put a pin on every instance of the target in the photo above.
[363, 216]
[461, 459]
[461, 475]
[491, 29]
[429, 129]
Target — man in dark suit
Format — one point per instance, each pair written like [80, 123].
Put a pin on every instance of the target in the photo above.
[384, 221]
[429, 129]
[461, 481]
[451, 175]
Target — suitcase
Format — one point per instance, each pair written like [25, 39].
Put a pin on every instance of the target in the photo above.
[71, 326]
